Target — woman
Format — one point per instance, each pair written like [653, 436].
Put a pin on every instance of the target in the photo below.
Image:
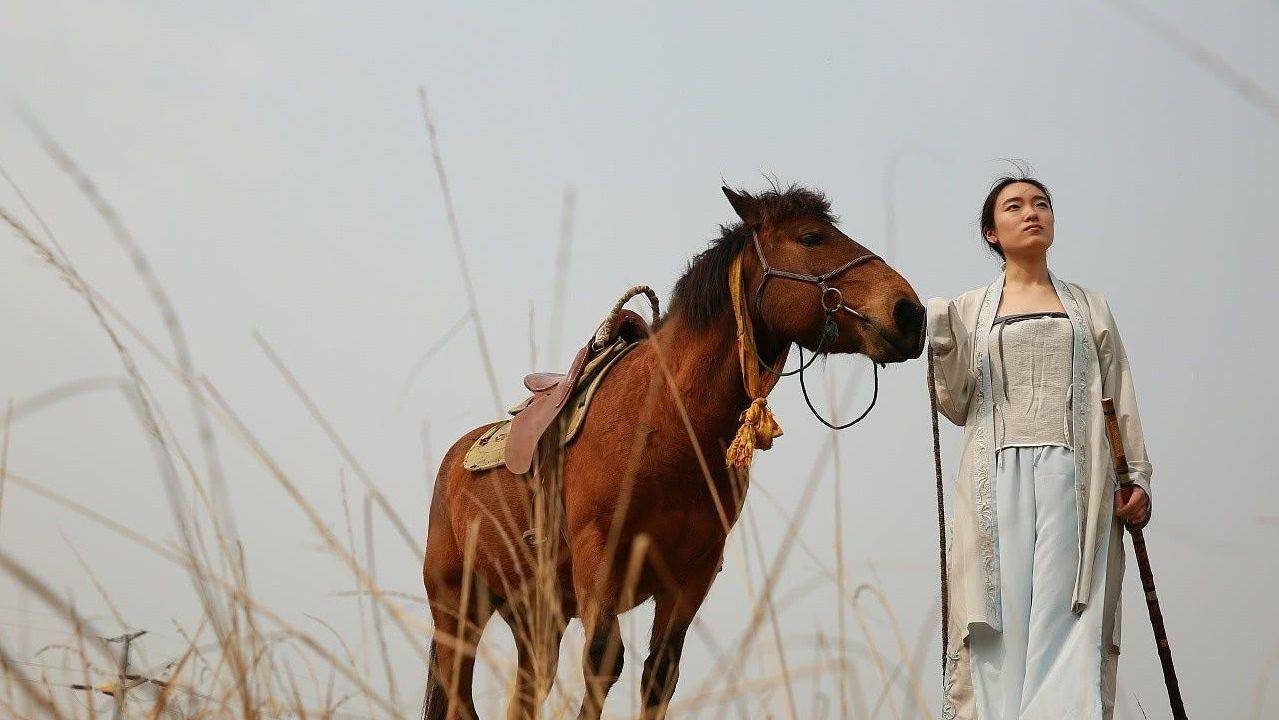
[1036, 553]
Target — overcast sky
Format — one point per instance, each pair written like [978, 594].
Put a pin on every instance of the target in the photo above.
[270, 159]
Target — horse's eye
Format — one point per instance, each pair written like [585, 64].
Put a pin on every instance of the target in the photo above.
[810, 239]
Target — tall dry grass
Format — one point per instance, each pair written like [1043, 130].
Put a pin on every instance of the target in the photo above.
[242, 658]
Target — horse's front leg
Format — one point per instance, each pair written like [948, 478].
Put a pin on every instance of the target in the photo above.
[676, 608]
[597, 589]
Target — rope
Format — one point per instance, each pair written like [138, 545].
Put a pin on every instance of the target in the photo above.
[941, 510]
[605, 331]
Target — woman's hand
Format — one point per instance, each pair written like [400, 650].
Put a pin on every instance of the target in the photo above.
[1132, 505]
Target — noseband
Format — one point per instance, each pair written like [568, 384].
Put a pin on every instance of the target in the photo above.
[832, 302]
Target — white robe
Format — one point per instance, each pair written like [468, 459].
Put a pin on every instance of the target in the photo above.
[959, 332]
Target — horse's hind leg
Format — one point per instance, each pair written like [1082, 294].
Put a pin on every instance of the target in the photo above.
[461, 605]
[459, 619]
[539, 654]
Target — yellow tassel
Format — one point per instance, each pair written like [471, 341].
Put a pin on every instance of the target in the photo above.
[758, 429]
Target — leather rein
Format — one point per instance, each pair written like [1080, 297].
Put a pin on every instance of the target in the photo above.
[832, 302]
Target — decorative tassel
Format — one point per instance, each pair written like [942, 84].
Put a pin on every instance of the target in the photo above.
[758, 429]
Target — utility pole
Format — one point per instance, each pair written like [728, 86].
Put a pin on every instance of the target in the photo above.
[122, 686]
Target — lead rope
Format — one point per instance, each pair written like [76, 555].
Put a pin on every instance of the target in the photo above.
[941, 511]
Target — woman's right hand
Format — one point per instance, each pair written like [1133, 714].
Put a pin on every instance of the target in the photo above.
[1132, 505]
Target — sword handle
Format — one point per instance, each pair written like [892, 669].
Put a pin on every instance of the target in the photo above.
[1116, 442]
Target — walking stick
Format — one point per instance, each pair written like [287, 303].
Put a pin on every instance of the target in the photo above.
[1143, 566]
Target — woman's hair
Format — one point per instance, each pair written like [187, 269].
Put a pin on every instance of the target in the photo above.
[987, 221]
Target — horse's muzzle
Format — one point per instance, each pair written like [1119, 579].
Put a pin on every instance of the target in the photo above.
[898, 351]
[911, 319]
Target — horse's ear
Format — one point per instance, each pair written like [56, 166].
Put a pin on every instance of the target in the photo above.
[744, 205]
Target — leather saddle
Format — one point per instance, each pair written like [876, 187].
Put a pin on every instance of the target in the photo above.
[551, 391]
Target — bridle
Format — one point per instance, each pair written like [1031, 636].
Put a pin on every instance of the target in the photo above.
[832, 302]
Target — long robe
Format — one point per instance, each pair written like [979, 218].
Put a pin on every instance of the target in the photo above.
[959, 333]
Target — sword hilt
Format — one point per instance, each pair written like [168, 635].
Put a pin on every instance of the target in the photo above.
[1116, 442]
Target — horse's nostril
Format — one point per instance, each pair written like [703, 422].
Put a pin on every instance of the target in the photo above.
[909, 316]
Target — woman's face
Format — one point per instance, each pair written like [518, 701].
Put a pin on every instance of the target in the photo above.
[1023, 221]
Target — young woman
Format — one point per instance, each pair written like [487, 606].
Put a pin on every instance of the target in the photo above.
[1036, 553]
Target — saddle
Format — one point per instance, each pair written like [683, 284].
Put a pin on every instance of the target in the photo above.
[551, 392]
[518, 438]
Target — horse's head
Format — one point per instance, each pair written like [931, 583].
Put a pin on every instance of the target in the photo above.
[797, 265]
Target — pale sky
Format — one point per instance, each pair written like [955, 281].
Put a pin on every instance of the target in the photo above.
[271, 161]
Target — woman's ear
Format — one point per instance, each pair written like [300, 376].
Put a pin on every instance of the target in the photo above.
[746, 207]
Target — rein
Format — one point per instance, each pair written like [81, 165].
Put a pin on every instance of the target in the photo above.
[759, 427]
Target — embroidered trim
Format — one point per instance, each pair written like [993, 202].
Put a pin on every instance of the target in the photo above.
[948, 686]
[986, 541]
[1082, 480]
[984, 492]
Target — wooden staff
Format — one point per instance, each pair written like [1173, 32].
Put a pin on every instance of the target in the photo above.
[1143, 565]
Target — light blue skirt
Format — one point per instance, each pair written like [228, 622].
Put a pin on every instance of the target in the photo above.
[1046, 664]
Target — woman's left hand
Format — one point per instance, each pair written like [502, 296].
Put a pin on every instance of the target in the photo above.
[1131, 504]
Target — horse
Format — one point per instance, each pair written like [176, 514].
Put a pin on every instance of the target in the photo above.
[647, 498]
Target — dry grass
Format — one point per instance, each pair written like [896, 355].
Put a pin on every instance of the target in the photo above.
[241, 658]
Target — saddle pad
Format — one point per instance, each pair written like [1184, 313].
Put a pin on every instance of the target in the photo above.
[489, 450]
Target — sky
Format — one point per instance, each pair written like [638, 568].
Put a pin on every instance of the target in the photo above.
[270, 160]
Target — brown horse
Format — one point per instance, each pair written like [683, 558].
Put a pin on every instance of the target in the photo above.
[647, 499]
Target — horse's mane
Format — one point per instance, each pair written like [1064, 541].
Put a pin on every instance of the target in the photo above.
[701, 293]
